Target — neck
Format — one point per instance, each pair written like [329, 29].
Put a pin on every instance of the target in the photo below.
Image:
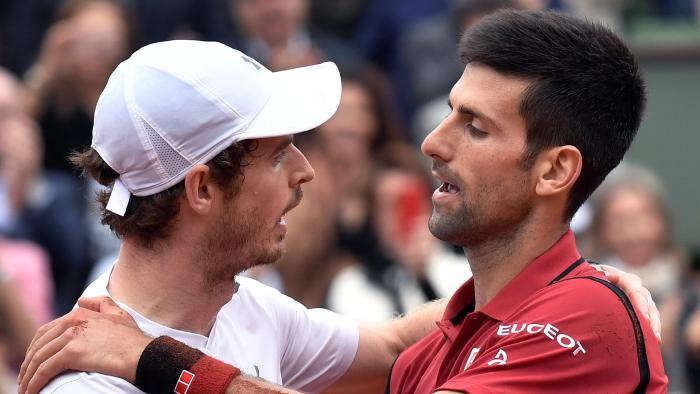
[166, 284]
[496, 261]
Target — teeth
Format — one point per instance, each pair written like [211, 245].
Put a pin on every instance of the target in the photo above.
[448, 188]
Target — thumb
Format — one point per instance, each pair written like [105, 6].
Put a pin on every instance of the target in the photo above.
[102, 304]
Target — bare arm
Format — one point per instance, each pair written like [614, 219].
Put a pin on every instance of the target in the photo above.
[380, 344]
[103, 338]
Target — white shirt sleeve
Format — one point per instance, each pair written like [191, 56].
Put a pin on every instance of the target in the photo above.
[318, 346]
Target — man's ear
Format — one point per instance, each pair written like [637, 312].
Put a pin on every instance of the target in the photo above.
[557, 169]
[198, 189]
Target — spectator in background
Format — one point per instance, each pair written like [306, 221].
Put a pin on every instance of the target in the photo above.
[428, 49]
[379, 33]
[687, 326]
[80, 50]
[680, 330]
[353, 138]
[432, 67]
[276, 32]
[161, 20]
[37, 205]
[26, 299]
[22, 26]
[632, 231]
[339, 18]
[421, 268]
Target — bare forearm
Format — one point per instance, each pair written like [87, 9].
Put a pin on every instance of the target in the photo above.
[414, 326]
[380, 345]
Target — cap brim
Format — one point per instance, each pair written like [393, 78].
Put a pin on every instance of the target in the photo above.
[302, 99]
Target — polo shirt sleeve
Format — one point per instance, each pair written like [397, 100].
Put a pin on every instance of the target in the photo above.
[318, 346]
[575, 334]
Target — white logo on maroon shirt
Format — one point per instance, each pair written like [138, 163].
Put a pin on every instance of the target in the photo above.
[548, 330]
[500, 359]
[472, 356]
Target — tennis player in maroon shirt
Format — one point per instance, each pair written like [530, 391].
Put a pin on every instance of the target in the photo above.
[546, 107]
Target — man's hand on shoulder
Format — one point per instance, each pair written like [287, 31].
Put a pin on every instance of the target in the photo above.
[640, 296]
[96, 337]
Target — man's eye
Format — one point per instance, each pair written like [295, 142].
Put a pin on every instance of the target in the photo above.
[280, 156]
[474, 131]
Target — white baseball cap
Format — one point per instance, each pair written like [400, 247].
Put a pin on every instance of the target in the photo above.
[175, 104]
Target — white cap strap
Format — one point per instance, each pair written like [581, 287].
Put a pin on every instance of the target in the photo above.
[119, 198]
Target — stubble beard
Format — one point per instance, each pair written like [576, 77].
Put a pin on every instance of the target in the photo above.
[236, 243]
[482, 219]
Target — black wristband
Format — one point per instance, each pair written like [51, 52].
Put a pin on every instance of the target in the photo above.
[161, 364]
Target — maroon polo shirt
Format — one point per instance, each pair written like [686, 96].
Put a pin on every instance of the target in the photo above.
[550, 329]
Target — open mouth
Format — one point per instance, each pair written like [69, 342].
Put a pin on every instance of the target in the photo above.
[448, 188]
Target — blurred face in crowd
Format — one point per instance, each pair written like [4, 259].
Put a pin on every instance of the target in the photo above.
[273, 21]
[348, 135]
[100, 40]
[633, 226]
[253, 218]
[477, 154]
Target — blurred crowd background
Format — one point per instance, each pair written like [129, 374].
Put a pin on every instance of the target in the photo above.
[359, 243]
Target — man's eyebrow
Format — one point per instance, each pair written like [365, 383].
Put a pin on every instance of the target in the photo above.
[283, 144]
[463, 109]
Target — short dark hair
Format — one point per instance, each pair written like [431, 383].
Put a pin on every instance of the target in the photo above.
[150, 218]
[586, 89]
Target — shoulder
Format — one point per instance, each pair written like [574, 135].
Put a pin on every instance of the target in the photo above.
[581, 306]
[87, 383]
[579, 296]
[576, 334]
[583, 321]
[253, 293]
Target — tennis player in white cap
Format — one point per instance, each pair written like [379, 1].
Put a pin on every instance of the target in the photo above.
[194, 139]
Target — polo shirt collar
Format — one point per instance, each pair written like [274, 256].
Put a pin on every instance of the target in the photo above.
[536, 275]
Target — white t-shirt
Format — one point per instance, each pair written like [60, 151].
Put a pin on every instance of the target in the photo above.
[261, 331]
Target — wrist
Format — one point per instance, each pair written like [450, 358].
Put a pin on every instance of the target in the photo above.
[130, 361]
[167, 366]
